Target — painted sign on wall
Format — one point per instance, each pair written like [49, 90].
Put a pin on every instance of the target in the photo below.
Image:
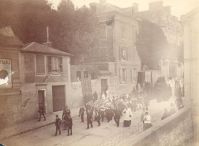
[5, 73]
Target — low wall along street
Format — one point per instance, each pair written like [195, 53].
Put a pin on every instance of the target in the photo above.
[176, 130]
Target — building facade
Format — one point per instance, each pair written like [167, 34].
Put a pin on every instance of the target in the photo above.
[113, 60]
[171, 64]
[34, 75]
[170, 24]
[191, 64]
[10, 94]
[45, 78]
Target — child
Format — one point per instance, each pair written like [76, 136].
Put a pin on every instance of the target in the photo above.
[58, 125]
[41, 112]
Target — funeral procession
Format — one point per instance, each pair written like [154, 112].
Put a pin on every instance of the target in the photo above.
[99, 73]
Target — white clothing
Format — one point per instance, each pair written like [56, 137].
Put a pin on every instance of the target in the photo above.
[127, 114]
[147, 119]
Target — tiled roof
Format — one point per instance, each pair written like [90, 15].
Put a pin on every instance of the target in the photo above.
[40, 48]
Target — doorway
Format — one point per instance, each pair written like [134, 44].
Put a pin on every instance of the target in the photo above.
[41, 98]
[104, 85]
[58, 93]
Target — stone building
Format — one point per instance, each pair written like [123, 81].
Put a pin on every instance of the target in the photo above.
[114, 58]
[37, 74]
[10, 94]
[191, 64]
[170, 24]
[45, 78]
[172, 28]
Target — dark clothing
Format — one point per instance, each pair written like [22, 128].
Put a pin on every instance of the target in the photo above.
[69, 124]
[89, 113]
[147, 126]
[58, 126]
[102, 115]
[65, 113]
[65, 116]
[109, 114]
[95, 96]
[42, 113]
[117, 117]
[81, 113]
[97, 117]
[127, 123]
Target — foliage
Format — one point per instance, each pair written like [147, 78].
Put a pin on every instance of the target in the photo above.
[70, 29]
[151, 43]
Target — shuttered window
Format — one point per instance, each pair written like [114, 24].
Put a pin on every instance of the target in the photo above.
[40, 64]
[55, 64]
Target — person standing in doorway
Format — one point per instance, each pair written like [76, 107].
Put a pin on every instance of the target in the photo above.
[42, 112]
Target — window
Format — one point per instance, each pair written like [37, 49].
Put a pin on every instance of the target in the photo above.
[93, 76]
[103, 67]
[78, 75]
[135, 75]
[131, 75]
[55, 64]
[124, 75]
[103, 31]
[40, 64]
[85, 74]
[123, 54]
[123, 32]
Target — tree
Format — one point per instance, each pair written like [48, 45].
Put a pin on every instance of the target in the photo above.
[70, 29]
[28, 18]
[151, 43]
[73, 29]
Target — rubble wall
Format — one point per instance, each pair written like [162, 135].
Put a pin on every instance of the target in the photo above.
[176, 130]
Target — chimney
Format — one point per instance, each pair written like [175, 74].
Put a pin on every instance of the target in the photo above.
[135, 8]
[47, 43]
[155, 5]
[47, 34]
[102, 1]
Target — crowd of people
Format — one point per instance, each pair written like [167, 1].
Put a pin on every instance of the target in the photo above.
[119, 109]
[104, 109]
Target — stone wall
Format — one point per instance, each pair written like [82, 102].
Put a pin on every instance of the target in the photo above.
[191, 64]
[176, 130]
[10, 98]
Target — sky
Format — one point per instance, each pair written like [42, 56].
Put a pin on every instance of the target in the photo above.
[178, 7]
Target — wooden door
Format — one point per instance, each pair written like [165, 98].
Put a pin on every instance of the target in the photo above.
[58, 93]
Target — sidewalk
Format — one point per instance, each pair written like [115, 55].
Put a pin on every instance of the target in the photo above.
[28, 126]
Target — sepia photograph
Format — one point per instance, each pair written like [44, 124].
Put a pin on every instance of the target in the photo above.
[99, 73]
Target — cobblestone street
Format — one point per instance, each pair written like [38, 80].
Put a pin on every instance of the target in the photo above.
[105, 135]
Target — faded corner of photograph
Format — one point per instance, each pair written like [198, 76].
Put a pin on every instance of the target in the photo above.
[99, 73]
